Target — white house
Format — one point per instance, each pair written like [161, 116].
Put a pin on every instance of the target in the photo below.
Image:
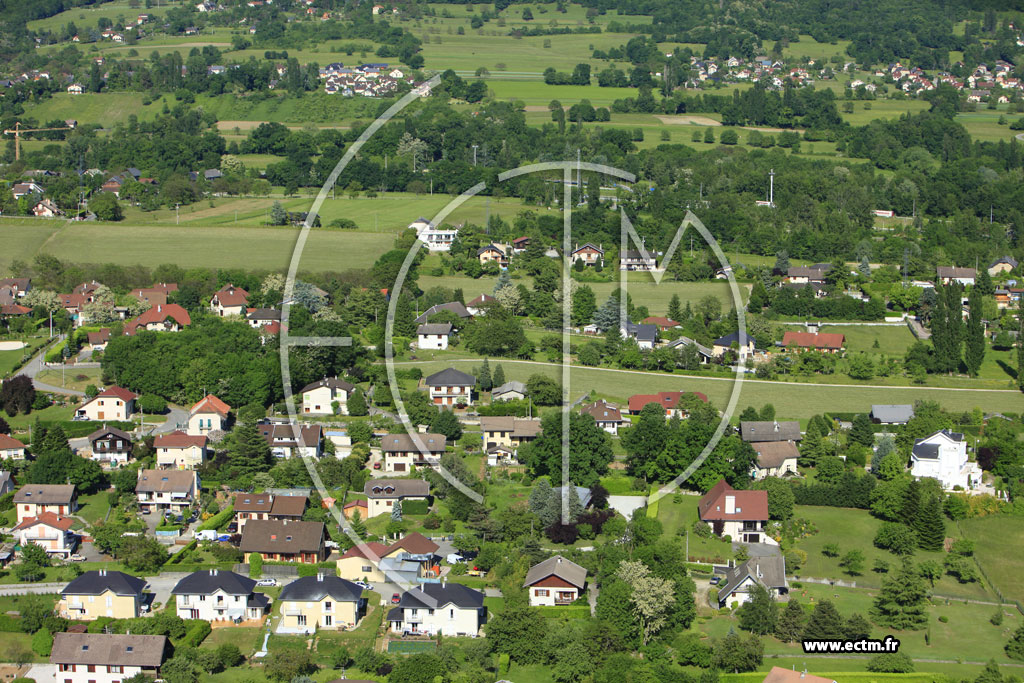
[218, 595]
[381, 494]
[167, 490]
[943, 456]
[775, 459]
[210, 414]
[115, 403]
[179, 451]
[509, 391]
[437, 238]
[433, 335]
[741, 515]
[11, 448]
[555, 581]
[608, 417]
[451, 387]
[450, 609]
[318, 398]
[403, 451]
[51, 532]
[767, 571]
[106, 657]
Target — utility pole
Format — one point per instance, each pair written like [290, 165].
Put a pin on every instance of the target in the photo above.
[579, 172]
[177, 218]
[771, 188]
[474, 154]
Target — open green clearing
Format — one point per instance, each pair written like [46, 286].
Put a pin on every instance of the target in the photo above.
[677, 520]
[997, 540]
[893, 340]
[72, 378]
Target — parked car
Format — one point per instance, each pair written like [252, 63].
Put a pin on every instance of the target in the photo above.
[396, 598]
[76, 558]
[715, 580]
[376, 465]
[267, 582]
[455, 558]
[232, 527]
[364, 585]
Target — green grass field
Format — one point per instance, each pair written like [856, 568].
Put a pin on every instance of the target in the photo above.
[677, 517]
[993, 536]
[892, 340]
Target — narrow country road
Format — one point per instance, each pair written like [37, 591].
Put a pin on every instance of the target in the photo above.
[177, 418]
[35, 366]
[729, 379]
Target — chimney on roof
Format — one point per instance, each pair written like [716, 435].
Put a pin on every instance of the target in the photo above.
[103, 572]
[730, 505]
[776, 425]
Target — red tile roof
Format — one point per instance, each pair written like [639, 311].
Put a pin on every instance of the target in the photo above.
[179, 439]
[232, 296]
[416, 544]
[810, 340]
[211, 404]
[14, 309]
[8, 442]
[47, 518]
[158, 314]
[663, 323]
[666, 399]
[119, 392]
[749, 505]
[377, 549]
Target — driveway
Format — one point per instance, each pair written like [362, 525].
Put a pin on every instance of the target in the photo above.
[35, 366]
[625, 505]
[161, 586]
[31, 589]
[177, 418]
[42, 673]
[758, 549]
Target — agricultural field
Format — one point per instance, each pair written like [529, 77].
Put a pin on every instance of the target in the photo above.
[992, 536]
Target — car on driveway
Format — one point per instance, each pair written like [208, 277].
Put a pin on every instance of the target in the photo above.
[396, 598]
[76, 558]
[267, 582]
[364, 585]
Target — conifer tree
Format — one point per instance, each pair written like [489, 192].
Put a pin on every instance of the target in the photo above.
[824, 623]
[790, 624]
[974, 348]
[759, 614]
[901, 602]
[862, 431]
[483, 376]
[498, 377]
[675, 309]
[357, 403]
[930, 526]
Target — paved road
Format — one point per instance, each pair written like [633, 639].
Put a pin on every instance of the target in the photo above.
[31, 588]
[35, 366]
[177, 418]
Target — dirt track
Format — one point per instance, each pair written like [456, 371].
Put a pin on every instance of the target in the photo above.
[687, 119]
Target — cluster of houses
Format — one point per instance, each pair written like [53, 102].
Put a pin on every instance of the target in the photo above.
[367, 80]
[774, 72]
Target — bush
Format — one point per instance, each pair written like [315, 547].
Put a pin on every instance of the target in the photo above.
[42, 642]
[196, 634]
[891, 663]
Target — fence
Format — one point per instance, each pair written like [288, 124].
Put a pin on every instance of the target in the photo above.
[270, 571]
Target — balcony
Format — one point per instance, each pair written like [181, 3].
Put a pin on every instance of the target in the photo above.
[293, 612]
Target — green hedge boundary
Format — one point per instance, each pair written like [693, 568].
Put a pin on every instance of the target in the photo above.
[221, 519]
[75, 430]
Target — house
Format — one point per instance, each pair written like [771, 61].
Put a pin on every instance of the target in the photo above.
[743, 342]
[33, 500]
[451, 387]
[219, 595]
[433, 335]
[660, 322]
[115, 403]
[673, 402]
[404, 451]
[775, 459]
[285, 541]
[450, 609]
[99, 340]
[353, 506]
[741, 515]
[943, 456]
[14, 288]
[478, 305]
[637, 260]
[261, 317]
[509, 391]
[210, 414]
[826, 342]
[75, 88]
[437, 238]
[754, 431]
[179, 451]
[494, 253]
[361, 562]
[555, 581]
[608, 417]
[768, 571]
[11, 448]
[455, 307]
[1003, 264]
[48, 531]
[110, 445]
[704, 354]
[582, 492]
[780, 675]
[646, 336]
[102, 593]
[520, 244]
[803, 275]
[288, 440]
[107, 657]
[20, 190]
[319, 397]
[963, 276]
[507, 431]
[46, 209]
[252, 506]
[381, 494]
[288, 508]
[590, 254]
[892, 414]
[411, 559]
[320, 602]
[160, 318]
[230, 300]
[167, 490]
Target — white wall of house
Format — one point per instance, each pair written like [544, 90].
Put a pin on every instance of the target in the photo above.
[216, 607]
[448, 620]
[318, 401]
[201, 424]
[432, 341]
[545, 596]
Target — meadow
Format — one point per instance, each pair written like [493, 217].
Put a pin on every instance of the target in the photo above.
[992, 536]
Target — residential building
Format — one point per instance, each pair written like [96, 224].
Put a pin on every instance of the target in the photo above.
[741, 515]
[450, 609]
[433, 336]
[11, 448]
[50, 532]
[179, 451]
[826, 342]
[404, 451]
[98, 340]
[160, 318]
[362, 562]
[478, 306]
[110, 445]
[582, 492]
[637, 260]
[1004, 264]
[319, 397]
[590, 254]
[437, 238]
[107, 657]
[252, 506]
[33, 500]
[261, 317]
[555, 581]
[892, 414]
[285, 541]
[353, 506]
[674, 403]
[661, 323]
[114, 403]
[948, 274]
[381, 494]
[288, 508]
[775, 459]
[210, 414]
[943, 456]
[102, 593]
[412, 559]
[455, 307]
[451, 388]
[45, 208]
[320, 602]
[767, 571]
[753, 431]
[607, 416]
[507, 431]
[509, 391]
[646, 336]
[167, 490]
[218, 595]
[803, 275]
[288, 440]
[20, 190]
[494, 253]
[744, 344]
[230, 300]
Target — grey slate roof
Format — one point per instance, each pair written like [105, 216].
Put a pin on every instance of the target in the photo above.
[892, 413]
[437, 595]
[740, 338]
[98, 581]
[560, 567]
[508, 387]
[582, 491]
[332, 382]
[396, 488]
[455, 307]
[450, 377]
[209, 581]
[113, 431]
[927, 451]
[316, 588]
[770, 431]
[45, 494]
[404, 443]
[434, 328]
[642, 332]
[101, 649]
[769, 571]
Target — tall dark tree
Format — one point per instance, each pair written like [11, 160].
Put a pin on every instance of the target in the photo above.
[760, 613]
[249, 453]
[790, 624]
[498, 378]
[446, 423]
[974, 337]
[483, 376]
[862, 431]
[930, 525]
[825, 623]
[901, 602]
[645, 440]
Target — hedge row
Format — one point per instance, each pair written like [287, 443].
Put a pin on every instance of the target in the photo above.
[195, 634]
[219, 520]
[415, 507]
[75, 430]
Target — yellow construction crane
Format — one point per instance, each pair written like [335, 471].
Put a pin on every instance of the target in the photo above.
[18, 130]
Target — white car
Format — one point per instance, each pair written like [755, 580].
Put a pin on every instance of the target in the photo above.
[364, 585]
[267, 582]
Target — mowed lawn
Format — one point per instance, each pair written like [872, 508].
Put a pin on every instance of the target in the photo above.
[677, 517]
[791, 400]
[997, 540]
[893, 340]
[22, 238]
